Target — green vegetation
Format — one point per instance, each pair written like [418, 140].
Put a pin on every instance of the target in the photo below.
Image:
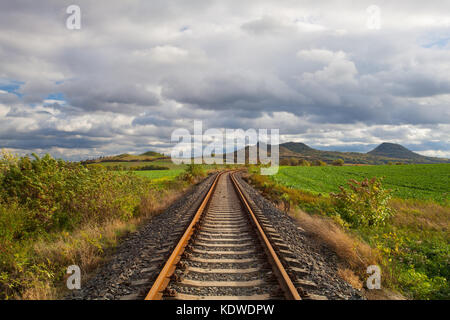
[150, 167]
[193, 171]
[409, 233]
[160, 175]
[424, 182]
[152, 154]
[55, 213]
[363, 203]
[338, 162]
[319, 163]
[134, 165]
[384, 153]
[125, 157]
[394, 151]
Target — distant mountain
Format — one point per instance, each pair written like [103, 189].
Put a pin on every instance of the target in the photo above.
[384, 153]
[393, 150]
[152, 154]
[297, 147]
[125, 157]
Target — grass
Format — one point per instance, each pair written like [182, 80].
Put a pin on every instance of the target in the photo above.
[160, 174]
[130, 164]
[423, 182]
[55, 213]
[411, 245]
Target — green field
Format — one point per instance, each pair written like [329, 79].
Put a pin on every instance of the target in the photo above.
[130, 164]
[424, 182]
[412, 244]
[160, 174]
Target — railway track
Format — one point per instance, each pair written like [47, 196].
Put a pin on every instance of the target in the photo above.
[229, 251]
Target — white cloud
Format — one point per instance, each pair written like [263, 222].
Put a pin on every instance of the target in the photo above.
[4, 110]
[436, 153]
[164, 54]
[137, 70]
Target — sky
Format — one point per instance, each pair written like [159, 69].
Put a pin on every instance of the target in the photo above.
[322, 72]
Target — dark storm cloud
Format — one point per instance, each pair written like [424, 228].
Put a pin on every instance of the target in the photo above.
[107, 95]
[45, 142]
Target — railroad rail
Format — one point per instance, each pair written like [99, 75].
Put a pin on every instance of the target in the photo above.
[228, 251]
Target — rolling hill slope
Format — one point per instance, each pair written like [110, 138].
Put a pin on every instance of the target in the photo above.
[384, 153]
[125, 157]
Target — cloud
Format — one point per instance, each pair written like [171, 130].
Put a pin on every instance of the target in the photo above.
[138, 70]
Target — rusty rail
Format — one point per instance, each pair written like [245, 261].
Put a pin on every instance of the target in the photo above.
[163, 279]
[288, 287]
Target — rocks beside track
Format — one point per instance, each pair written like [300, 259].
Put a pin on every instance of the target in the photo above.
[136, 262]
[321, 278]
[131, 269]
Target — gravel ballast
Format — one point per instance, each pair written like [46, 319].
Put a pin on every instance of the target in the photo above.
[136, 262]
[130, 271]
[320, 262]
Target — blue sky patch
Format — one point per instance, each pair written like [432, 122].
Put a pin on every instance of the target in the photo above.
[56, 96]
[11, 86]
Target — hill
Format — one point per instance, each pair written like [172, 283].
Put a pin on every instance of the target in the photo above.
[125, 157]
[297, 147]
[393, 150]
[384, 153]
[152, 154]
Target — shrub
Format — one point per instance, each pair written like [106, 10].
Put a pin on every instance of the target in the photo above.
[411, 247]
[192, 173]
[338, 162]
[319, 163]
[364, 203]
[46, 208]
[151, 167]
[60, 195]
[304, 163]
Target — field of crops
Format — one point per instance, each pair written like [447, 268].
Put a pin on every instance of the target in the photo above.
[424, 182]
[130, 164]
[160, 174]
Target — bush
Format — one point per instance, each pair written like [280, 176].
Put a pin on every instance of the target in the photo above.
[60, 195]
[289, 162]
[319, 163]
[364, 203]
[304, 163]
[411, 247]
[150, 167]
[192, 173]
[338, 162]
[47, 203]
